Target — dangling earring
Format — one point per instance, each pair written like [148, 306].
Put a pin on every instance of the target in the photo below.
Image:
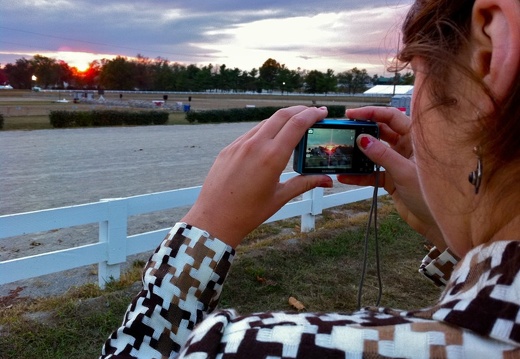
[475, 177]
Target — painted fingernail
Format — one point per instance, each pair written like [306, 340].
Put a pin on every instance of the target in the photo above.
[365, 142]
[326, 183]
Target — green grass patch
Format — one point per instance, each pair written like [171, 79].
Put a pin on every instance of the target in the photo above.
[41, 122]
[24, 123]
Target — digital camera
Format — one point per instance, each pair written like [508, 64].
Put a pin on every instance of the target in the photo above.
[329, 147]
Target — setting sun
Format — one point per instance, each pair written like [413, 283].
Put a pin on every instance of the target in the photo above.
[79, 60]
[82, 67]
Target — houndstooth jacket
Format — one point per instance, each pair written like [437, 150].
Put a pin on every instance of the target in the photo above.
[477, 315]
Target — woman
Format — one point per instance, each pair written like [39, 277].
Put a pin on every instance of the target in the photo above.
[466, 121]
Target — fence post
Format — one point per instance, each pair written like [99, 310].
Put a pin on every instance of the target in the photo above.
[113, 232]
[308, 220]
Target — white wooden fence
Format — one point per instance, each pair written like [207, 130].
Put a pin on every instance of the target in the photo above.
[115, 245]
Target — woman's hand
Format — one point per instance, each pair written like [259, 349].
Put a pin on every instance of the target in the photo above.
[242, 188]
[400, 178]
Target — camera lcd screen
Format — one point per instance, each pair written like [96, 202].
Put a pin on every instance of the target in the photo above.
[329, 149]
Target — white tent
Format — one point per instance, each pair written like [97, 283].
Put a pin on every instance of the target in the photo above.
[390, 90]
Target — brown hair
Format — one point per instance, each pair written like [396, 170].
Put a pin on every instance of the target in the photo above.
[438, 31]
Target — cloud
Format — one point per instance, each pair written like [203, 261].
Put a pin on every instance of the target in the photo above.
[329, 38]
[237, 33]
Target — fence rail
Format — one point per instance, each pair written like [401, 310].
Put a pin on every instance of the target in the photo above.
[115, 245]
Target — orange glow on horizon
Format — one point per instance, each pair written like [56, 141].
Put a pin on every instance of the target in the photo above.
[329, 149]
[81, 60]
[81, 67]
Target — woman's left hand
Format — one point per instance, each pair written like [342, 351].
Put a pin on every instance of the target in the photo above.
[242, 188]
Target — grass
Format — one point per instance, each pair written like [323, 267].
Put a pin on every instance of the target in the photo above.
[321, 269]
[41, 122]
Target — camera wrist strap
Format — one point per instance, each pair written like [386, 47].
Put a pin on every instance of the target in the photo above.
[372, 215]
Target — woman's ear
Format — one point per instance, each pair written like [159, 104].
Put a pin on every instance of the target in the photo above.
[495, 43]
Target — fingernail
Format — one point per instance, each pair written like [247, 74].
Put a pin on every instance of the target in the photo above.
[323, 107]
[365, 142]
[326, 183]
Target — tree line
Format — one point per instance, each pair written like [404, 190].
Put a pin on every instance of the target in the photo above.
[142, 73]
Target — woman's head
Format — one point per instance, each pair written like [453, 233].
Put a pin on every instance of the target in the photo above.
[466, 56]
[439, 32]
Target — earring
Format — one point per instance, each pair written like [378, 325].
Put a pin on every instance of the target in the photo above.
[475, 177]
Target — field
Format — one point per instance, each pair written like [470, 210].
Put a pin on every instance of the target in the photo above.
[23, 109]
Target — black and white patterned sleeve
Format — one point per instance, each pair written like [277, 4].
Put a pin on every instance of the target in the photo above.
[182, 283]
[438, 266]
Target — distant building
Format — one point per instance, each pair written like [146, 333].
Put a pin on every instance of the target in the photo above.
[401, 95]
[389, 90]
[385, 80]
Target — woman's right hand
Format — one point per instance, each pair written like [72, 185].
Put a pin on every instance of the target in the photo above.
[243, 187]
[399, 177]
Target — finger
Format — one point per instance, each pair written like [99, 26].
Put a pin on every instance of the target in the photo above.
[270, 127]
[388, 135]
[382, 154]
[249, 133]
[301, 184]
[362, 180]
[390, 116]
[277, 121]
[294, 129]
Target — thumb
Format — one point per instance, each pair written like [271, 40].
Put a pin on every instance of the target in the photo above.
[381, 153]
[303, 183]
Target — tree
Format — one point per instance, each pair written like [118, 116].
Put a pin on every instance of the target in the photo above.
[65, 74]
[249, 81]
[20, 73]
[408, 78]
[204, 78]
[268, 73]
[375, 79]
[360, 80]
[50, 72]
[313, 80]
[354, 80]
[118, 74]
[4, 80]
[178, 76]
[90, 77]
[288, 80]
[191, 78]
[329, 82]
[162, 75]
[142, 72]
[223, 79]
[345, 81]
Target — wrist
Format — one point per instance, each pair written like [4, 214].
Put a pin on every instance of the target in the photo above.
[210, 223]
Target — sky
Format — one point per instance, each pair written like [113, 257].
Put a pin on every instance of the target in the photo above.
[317, 35]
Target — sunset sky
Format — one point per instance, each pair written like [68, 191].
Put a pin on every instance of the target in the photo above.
[298, 33]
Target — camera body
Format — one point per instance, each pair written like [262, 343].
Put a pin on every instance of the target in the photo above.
[329, 147]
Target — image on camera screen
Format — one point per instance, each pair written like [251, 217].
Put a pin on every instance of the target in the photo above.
[329, 148]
